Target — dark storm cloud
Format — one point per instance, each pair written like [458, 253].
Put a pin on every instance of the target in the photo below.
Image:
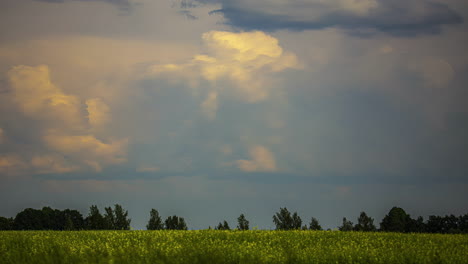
[124, 5]
[398, 17]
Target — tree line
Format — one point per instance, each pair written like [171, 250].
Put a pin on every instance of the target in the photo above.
[53, 219]
[397, 220]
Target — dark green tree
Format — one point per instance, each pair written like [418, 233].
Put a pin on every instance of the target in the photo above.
[68, 224]
[297, 221]
[284, 221]
[416, 225]
[6, 223]
[75, 217]
[314, 224]
[223, 226]
[365, 223]
[155, 222]
[52, 219]
[463, 223]
[95, 221]
[175, 223]
[29, 219]
[346, 225]
[242, 223]
[122, 222]
[397, 220]
[451, 224]
[109, 219]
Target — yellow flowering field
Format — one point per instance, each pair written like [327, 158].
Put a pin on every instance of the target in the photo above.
[216, 246]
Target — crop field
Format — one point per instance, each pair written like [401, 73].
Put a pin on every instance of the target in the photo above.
[215, 246]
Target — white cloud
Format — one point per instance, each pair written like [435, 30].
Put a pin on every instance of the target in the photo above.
[88, 149]
[63, 126]
[37, 97]
[246, 60]
[261, 160]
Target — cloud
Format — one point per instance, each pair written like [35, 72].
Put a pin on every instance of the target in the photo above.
[98, 112]
[89, 149]
[50, 164]
[12, 165]
[397, 17]
[40, 99]
[124, 5]
[433, 71]
[147, 169]
[246, 60]
[210, 105]
[261, 160]
[64, 127]
[226, 149]
[2, 135]
[93, 186]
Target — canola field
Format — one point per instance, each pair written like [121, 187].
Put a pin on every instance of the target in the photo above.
[215, 246]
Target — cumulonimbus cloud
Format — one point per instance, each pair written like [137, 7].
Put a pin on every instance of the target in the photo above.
[245, 60]
[65, 126]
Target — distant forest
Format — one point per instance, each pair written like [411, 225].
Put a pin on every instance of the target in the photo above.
[397, 220]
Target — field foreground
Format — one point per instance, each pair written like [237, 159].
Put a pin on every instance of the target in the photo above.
[213, 246]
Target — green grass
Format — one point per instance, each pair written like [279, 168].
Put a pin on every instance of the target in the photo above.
[212, 246]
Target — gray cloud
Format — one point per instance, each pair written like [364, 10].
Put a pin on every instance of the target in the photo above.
[124, 5]
[400, 17]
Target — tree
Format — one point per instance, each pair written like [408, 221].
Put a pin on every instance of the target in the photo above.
[463, 223]
[95, 221]
[175, 223]
[52, 219]
[346, 225]
[416, 225]
[155, 222]
[68, 224]
[122, 222]
[284, 221]
[314, 224]
[28, 219]
[365, 223]
[242, 223]
[226, 225]
[109, 219]
[297, 221]
[396, 220]
[6, 223]
[75, 217]
[223, 226]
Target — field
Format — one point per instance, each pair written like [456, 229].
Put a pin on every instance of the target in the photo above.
[213, 246]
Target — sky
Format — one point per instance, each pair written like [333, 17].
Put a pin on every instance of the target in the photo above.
[207, 109]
